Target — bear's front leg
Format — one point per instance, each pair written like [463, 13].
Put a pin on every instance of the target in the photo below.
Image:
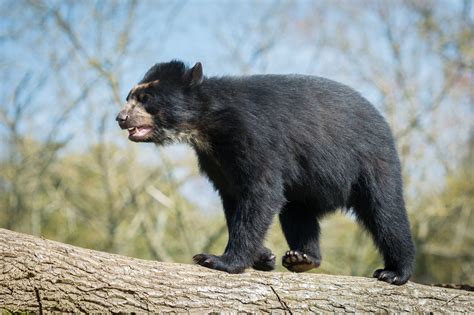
[248, 223]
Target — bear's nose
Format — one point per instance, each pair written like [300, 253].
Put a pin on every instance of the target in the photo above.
[121, 117]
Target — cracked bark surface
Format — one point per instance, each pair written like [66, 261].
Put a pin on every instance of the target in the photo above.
[39, 275]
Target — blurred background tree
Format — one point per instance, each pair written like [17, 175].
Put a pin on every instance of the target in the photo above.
[68, 173]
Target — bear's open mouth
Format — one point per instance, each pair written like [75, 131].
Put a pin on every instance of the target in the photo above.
[139, 132]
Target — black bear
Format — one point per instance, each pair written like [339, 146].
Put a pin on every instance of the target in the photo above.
[293, 145]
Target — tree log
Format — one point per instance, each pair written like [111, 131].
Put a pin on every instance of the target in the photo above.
[39, 275]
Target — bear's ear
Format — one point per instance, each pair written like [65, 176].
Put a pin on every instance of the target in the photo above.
[193, 76]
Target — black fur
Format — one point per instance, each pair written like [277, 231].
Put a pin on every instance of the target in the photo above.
[298, 146]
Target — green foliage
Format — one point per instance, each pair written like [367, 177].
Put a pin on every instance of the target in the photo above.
[443, 223]
[102, 199]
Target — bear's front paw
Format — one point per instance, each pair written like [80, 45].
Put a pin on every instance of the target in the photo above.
[217, 263]
[265, 260]
[393, 277]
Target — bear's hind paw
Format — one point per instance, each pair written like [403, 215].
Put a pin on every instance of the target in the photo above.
[390, 276]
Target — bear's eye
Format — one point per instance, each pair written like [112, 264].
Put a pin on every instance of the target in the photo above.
[143, 98]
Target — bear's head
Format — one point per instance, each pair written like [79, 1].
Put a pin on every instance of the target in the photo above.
[162, 107]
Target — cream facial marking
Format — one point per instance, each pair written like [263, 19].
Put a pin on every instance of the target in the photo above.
[144, 86]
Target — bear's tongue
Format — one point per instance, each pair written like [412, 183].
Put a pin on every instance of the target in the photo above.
[138, 131]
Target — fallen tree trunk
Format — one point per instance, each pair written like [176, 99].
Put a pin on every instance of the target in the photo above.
[39, 275]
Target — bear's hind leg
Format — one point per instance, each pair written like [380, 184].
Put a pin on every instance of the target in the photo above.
[301, 230]
[383, 214]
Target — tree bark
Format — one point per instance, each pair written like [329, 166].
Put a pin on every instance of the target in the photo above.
[39, 275]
